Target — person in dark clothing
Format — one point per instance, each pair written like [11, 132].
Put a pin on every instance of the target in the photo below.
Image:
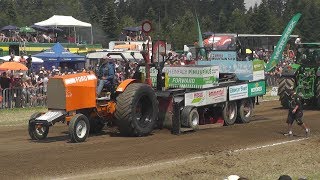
[295, 113]
[106, 75]
[28, 64]
[17, 90]
[5, 82]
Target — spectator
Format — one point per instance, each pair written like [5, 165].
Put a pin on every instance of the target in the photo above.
[122, 37]
[22, 60]
[3, 38]
[45, 83]
[17, 84]
[29, 63]
[26, 91]
[189, 56]
[40, 79]
[11, 57]
[5, 82]
[47, 38]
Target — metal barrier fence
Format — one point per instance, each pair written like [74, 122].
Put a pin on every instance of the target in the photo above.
[23, 97]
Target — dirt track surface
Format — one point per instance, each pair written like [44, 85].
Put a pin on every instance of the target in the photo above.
[156, 155]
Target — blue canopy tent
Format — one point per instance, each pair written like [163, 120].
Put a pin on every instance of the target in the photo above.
[59, 56]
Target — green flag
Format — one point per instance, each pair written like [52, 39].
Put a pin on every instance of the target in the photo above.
[277, 53]
[200, 40]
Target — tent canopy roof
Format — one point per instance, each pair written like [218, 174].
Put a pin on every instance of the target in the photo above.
[58, 52]
[63, 21]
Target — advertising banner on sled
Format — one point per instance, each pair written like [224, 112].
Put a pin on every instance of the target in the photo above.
[256, 88]
[195, 77]
[207, 97]
[245, 70]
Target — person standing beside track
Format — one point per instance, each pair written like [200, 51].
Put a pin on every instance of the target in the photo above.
[295, 113]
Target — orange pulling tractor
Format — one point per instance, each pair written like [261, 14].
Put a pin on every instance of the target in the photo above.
[133, 107]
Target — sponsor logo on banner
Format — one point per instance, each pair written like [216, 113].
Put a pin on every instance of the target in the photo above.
[216, 95]
[257, 88]
[221, 55]
[207, 97]
[195, 98]
[238, 92]
[258, 69]
[79, 79]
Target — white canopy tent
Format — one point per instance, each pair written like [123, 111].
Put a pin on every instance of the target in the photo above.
[17, 58]
[65, 21]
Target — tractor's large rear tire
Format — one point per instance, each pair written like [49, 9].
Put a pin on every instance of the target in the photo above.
[229, 113]
[137, 110]
[285, 84]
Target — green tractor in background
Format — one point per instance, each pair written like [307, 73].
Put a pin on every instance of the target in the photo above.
[303, 76]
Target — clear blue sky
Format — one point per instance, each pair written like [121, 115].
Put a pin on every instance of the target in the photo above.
[251, 2]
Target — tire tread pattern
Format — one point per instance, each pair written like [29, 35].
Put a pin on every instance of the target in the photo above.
[124, 110]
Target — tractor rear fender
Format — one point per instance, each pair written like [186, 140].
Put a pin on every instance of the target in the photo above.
[122, 86]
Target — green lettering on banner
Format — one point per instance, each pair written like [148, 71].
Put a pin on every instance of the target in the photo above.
[188, 77]
[257, 88]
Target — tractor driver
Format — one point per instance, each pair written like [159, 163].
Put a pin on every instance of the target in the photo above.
[106, 75]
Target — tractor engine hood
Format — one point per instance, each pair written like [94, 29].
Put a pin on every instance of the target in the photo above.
[72, 92]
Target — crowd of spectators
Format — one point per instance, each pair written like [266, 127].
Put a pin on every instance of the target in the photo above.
[36, 37]
[27, 87]
[19, 88]
[133, 36]
[16, 36]
[288, 57]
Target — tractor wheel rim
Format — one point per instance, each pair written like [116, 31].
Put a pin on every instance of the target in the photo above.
[247, 110]
[81, 129]
[195, 120]
[143, 112]
[40, 131]
[231, 111]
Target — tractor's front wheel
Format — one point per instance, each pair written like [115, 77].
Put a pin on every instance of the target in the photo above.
[37, 131]
[79, 127]
[285, 85]
[136, 110]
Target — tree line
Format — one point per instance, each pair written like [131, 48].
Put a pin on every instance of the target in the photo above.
[173, 21]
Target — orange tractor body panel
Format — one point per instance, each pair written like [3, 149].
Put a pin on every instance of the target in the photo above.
[79, 92]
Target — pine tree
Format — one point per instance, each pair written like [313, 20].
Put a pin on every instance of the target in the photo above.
[109, 20]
